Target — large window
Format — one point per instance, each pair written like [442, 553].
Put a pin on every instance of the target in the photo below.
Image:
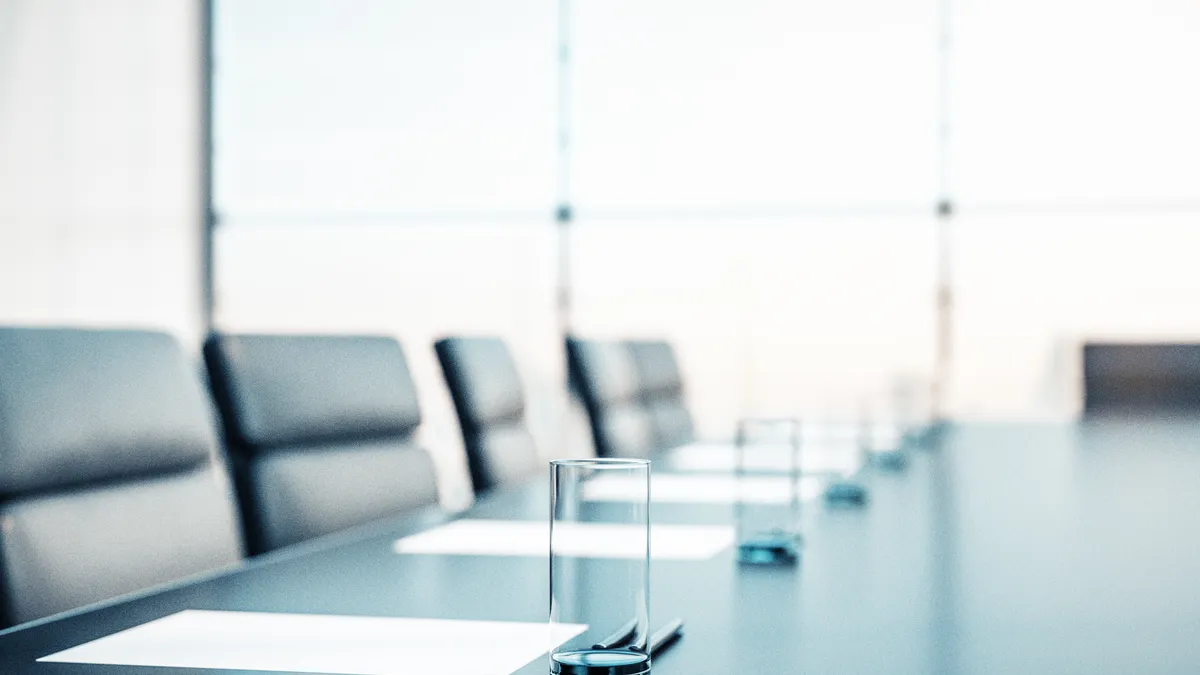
[758, 181]
[328, 110]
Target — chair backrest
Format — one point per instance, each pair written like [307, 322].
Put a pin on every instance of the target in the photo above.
[604, 375]
[320, 430]
[660, 389]
[1141, 378]
[109, 477]
[490, 402]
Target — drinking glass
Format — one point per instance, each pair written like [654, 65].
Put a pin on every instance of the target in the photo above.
[768, 523]
[610, 595]
[881, 437]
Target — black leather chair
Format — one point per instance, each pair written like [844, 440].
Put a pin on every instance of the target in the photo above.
[1141, 378]
[110, 481]
[605, 377]
[320, 431]
[488, 397]
[660, 389]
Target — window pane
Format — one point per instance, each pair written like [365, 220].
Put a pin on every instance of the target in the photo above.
[690, 104]
[385, 106]
[788, 316]
[1069, 101]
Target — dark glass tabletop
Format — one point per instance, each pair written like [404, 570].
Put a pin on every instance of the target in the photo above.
[1008, 549]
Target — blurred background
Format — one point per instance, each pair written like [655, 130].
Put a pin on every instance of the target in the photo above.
[817, 203]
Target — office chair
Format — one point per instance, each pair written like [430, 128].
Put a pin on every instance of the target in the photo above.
[490, 403]
[605, 377]
[660, 389]
[1141, 378]
[109, 477]
[320, 431]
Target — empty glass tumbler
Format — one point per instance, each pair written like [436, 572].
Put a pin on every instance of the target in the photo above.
[600, 567]
[768, 515]
[882, 439]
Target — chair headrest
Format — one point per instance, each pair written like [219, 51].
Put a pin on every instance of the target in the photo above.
[280, 390]
[482, 378]
[657, 369]
[605, 370]
[79, 406]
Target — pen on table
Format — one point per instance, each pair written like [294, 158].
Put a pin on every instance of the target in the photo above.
[624, 634]
[665, 636]
[661, 638]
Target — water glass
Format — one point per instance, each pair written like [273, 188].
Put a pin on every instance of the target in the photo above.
[768, 524]
[882, 438]
[611, 596]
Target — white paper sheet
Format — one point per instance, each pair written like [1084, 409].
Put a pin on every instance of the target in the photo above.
[313, 643]
[584, 540]
[830, 435]
[765, 459]
[701, 489]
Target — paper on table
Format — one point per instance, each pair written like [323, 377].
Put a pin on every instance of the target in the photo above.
[880, 434]
[700, 489]
[768, 459]
[312, 643]
[583, 540]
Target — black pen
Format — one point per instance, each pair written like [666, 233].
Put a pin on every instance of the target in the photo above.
[666, 635]
[624, 634]
[662, 637]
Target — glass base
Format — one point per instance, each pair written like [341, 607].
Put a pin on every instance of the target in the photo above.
[846, 493]
[600, 662]
[894, 460]
[770, 548]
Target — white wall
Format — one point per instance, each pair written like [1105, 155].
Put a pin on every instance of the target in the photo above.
[99, 162]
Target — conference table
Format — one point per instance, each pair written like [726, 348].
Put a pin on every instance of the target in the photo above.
[1055, 548]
